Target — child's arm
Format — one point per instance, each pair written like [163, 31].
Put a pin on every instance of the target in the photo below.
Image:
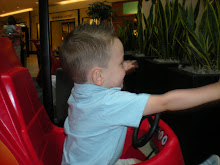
[182, 99]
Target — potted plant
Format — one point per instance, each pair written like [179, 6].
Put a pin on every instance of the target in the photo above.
[202, 50]
[128, 37]
[100, 11]
[161, 36]
[157, 40]
[172, 35]
[140, 28]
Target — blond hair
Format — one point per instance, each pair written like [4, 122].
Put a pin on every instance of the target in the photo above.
[86, 47]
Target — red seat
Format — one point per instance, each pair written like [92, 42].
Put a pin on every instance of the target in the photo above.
[25, 128]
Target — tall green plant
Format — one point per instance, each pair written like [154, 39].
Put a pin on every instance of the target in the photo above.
[203, 48]
[140, 27]
[193, 45]
[213, 25]
[166, 31]
[163, 30]
[148, 32]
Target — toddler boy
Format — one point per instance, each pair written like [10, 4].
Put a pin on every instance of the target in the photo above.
[99, 112]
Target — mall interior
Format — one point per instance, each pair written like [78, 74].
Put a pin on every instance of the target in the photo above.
[62, 18]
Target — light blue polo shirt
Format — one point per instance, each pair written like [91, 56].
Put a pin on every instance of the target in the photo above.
[97, 123]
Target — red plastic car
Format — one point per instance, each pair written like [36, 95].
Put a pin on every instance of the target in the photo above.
[27, 136]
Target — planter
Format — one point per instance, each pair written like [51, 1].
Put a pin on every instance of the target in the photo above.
[197, 129]
[151, 76]
[64, 86]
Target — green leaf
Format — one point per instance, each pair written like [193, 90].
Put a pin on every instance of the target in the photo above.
[218, 9]
[168, 12]
[214, 31]
[153, 1]
[190, 16]
[164, 32]
[183, 15]
[150, 17]
[184, 48]
[203, 28]
[198, 52]
[213, 24]
[196, 11]
[155, 50]
[175, 11]
[140, 27]
[196, 42]
[183, 3]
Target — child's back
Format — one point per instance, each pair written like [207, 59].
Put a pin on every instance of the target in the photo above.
[96, 123]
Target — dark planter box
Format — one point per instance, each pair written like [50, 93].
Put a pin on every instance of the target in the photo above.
[64, 86]
[151, 76]
[198, 128]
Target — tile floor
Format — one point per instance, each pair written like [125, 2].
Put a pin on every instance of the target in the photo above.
[32, 66]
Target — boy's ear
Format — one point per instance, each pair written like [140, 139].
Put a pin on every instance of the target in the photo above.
[98, 77]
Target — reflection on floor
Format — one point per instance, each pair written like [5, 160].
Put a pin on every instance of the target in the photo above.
[32, 65]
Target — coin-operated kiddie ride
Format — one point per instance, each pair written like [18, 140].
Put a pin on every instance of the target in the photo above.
[28, 137]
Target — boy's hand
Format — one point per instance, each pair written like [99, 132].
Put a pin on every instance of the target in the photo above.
[130, 65]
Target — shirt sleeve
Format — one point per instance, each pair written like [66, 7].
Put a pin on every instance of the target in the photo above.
[124, 108]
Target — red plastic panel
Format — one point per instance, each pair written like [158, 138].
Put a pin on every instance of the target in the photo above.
[169, 153]
[9, 58]
[25, 128]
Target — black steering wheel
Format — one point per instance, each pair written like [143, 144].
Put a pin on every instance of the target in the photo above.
[140, 142]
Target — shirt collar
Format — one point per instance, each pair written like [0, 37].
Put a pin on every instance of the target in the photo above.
[82, 88]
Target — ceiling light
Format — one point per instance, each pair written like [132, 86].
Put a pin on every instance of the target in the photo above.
[69, 1]
[16, 12]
